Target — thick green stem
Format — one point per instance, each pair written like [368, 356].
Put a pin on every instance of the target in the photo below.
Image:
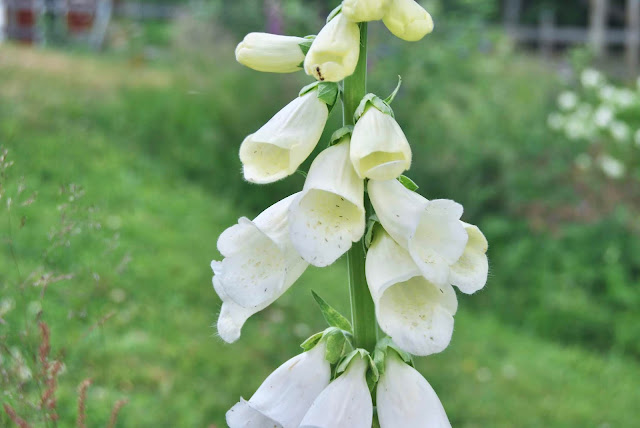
[363, 314]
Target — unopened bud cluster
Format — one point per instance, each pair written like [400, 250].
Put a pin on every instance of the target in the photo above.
[418, 249]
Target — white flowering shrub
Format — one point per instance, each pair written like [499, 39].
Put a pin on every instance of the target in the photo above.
[606, 116]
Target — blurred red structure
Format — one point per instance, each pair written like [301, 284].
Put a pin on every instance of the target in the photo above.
[26, 19]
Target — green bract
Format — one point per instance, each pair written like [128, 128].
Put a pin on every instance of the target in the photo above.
[327, 92]
[306, 45]
[375, 101]
[340, 134]
[408, 183]
[332, 316]
[383, 347]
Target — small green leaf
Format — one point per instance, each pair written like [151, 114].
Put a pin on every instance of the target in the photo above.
[336, 345]
[373, 369]
[408, 183]
[340, 134]
[362, 106]
[306, 45]
[334, 12]
[375, 101]
[311, 342]
[328, 93]
[383, 347]
[391, 97]
[333, 317]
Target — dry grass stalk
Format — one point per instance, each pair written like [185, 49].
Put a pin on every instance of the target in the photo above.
[15, 418]
[115, 412]
[82, 400]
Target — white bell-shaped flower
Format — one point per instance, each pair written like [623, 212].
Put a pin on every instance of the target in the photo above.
[364, 10]
[277, 149]
[470, 272]
[379, 148]
[415, 313]
[259, 265]
[328, 215]
[429, 230]
[335, 51]
[271, 53]
[286, 395]
[345, 403]
[405, 398]
[408, 20]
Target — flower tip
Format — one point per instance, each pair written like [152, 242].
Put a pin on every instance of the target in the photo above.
[243, 415]
[228, 329]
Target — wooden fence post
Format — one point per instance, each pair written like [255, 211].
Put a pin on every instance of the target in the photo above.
[547, 29]
[3, 20]
[633, 36]
[512, 10]
[598, 26]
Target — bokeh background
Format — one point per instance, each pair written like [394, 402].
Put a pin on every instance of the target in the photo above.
[121, 133]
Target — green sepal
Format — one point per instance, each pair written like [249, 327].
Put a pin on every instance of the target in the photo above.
[327, 92]
[334, 13]
[383, 347]
[312, 341]
[391, 97]
[375, 101]
[337, 341]
[372, 373]
[306, 45]
[408, 183]
[302, 173]
[371, 224]
[337, 345]
[333, 317]
[340, 134]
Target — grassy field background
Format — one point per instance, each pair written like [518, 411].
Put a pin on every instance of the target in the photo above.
[134, 165]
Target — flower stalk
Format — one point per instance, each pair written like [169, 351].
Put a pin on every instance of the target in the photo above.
[363, 315]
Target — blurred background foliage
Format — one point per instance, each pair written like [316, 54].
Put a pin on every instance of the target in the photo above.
[126, 171]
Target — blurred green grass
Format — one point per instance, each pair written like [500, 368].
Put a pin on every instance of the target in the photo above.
[551, 342]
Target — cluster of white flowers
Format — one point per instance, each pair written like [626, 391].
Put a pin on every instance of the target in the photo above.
[604, 115]
[418, 248]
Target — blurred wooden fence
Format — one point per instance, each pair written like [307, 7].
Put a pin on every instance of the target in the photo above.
[29, 20]
[547, 35]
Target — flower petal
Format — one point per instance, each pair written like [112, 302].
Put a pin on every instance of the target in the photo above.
[335, 51]
[243, 415]
[287, 394]
[408, 20]
[364, 10]
[405, 398]
[429, 230]
[329, 213]
[379, 148]
[345, 403]
[417, 315]
[470, 272]
[232, 316]
[278, 148]
[414, 312]
[270, 53]
[260, 265]
[397, 208]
